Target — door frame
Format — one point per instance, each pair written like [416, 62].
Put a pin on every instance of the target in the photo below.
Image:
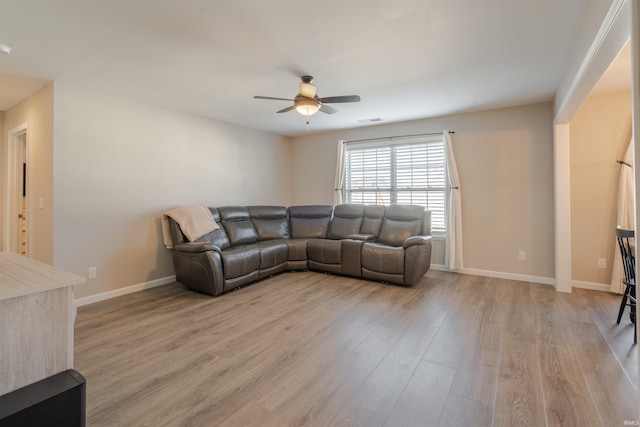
[615, 31]
[12, 192]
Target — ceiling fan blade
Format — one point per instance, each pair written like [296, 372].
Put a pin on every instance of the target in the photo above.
[327, 109]
[284, 110]
[336, 99]
[271, 97]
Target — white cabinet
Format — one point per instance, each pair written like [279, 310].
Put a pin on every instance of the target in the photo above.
[37, 314]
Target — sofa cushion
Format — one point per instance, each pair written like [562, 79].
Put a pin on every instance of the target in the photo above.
[324, 251]
[272, 253]
[372, 221]
[297, 249]
[400, 222]
[382, 258]
[270, 222]
[237, 224]
[240, 260]
[346, 220]
[310, 221]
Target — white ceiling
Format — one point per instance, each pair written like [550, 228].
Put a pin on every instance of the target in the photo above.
[407, 59]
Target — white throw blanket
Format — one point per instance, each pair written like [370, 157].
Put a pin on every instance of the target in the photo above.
[195, 221]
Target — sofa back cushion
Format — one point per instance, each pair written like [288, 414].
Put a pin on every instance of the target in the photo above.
[372, 221]
[237, 224]
[310, 222]
[401, 222]
[346, 220]
[270, 222]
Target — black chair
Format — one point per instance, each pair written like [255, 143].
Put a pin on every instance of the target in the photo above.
[626, 242]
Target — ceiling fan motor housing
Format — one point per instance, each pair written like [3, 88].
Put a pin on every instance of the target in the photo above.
[307, 89]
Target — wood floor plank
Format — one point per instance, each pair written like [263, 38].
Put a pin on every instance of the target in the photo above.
[383, 388]
[477, 372]
[610, 389]
[357, 417]
[331, 389]
[562, 379]
[422, 401]
[293, 367]
[463, 412]
[319, 350]
[519, 399]
[449, 343]
[603, 308]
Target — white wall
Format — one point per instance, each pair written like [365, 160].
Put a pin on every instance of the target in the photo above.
[118, 165]
[505, 162]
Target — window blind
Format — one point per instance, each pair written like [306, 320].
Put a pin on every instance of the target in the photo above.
[399, 172]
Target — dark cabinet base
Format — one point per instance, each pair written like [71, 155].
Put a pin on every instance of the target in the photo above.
[57, 401]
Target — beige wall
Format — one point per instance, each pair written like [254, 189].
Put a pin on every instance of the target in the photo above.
[119, 165]
[505, 162]
[600, 133]
[37, 112]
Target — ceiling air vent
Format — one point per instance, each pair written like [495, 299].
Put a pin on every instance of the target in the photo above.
[373, 120]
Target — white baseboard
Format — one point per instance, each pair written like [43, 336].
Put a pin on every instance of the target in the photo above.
[604, 287]
[124, 291]
[499, 275]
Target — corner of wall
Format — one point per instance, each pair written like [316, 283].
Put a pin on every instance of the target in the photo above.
[3, 144]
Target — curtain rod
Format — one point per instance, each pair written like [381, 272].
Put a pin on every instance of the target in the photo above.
[399, 136]
[624, 163]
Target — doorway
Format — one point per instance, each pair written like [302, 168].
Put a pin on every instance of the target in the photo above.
[17, 207]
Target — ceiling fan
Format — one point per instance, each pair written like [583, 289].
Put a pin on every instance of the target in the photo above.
[307, 101]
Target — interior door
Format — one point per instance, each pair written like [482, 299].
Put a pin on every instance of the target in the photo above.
[16, 210]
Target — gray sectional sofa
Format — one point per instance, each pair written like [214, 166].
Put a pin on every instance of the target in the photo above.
[389, 244]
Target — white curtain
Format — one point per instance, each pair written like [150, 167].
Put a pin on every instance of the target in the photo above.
[339, 184]
[626, 214]
[453, 253]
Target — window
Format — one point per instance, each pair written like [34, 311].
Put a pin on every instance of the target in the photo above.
[398, 171]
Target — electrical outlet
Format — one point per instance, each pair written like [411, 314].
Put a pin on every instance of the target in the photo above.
[92, 273]
[522, 255]
[602, 263]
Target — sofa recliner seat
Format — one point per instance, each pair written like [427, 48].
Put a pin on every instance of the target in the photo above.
[389, 244]
[326, 254]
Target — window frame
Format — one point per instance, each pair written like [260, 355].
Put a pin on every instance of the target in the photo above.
[393, 188]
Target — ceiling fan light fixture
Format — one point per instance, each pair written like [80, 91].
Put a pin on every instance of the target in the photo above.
[307, 102]
[307, 107]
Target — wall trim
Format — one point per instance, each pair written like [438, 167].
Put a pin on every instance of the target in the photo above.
[603, 287]
[124, 291]
[607, 43]
[499, 275]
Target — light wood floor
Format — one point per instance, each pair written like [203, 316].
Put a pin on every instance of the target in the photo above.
[313, 349]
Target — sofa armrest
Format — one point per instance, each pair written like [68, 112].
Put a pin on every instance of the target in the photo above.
[363, 237]
[416, 240]
[194, 247]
